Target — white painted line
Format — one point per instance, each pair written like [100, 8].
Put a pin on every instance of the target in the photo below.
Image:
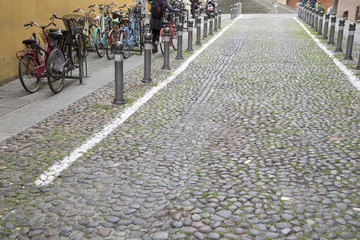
[353, 79]
[247, 161]
[54, 171]
[357, 209]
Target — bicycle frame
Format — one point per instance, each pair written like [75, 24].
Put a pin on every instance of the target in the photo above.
[39, 70]
[103, 19]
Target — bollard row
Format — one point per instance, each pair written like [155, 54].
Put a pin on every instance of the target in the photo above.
[215, 24]
[315, 19]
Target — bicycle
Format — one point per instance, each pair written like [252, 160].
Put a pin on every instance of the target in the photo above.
[137, 28]
[101, 32]
[90, 26]
[33, 60]
[119, 32]
[171, 23]
[74, 47]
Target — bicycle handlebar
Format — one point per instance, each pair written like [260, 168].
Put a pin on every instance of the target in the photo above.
[32, 22]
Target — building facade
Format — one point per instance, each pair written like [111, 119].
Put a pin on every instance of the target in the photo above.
[348, 9]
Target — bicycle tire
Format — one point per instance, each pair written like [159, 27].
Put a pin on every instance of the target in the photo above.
[26, 73]
[126, 47]
[99, 47]
[110, 51]
[173, 39]
[55, 75]
[161, 41]
[90, 37]
[81, 55]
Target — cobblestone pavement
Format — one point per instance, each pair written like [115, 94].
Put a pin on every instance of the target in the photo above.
[258, 139]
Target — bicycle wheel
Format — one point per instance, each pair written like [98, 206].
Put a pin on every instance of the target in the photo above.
[161, 41]
[54, 70]
[126, 48]
[173, 38]
[26, 73]
[90, 38]
[110, 51]
[99, 46]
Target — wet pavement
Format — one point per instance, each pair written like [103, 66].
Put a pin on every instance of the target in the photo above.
[257, 139]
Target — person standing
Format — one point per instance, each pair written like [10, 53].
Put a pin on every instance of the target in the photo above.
[312, 3]
[157, 18]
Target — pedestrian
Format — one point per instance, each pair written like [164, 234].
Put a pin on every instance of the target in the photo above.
[157, 19]
[303, 2]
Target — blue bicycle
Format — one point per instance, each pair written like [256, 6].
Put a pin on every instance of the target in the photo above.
[101, 32]
[131, 32]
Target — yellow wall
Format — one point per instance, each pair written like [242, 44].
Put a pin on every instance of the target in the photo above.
[15, 13]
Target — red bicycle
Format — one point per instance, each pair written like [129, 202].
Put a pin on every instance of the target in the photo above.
[32, 60]
[171, 23]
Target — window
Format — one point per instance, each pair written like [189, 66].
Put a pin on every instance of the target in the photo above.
[346, 14]
[357, 15]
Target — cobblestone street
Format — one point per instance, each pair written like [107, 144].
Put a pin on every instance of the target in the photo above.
[257, 139]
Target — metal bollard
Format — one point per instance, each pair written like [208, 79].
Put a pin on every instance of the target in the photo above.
[119, 74]
[312, 18]
[307, 15]
[179, 41]
[219, 21]
[340, 35]
[231, 12]
[166, 49]
[321, 23]
[211, 24]
[190, 36]
[147, 58]
[198, 30]
[350, 42]
[326, 26]
[205, 27]
[332, 30]
[215, 21]
[316, 20]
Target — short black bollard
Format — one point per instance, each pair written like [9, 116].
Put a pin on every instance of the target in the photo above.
[198, 31]
[211, 24]
[326, 26]
[231, 12]
[205, 27]
[215, 21]
[321, 23]
[190, 36]
[119, 74]
[340, 35]
[350, 42]
[166, 49]
[219, 21]
[316, 20]
[307, 21]
[332, 30]
[147, 58]
[179, 41]
[312, 18]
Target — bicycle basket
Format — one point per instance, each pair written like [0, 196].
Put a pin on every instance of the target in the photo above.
[74, 23]
[116, 15]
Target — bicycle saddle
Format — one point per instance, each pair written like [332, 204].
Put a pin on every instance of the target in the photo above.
[116, 20]
[125, 19]
[29, 41]
[97, 18]
[56, 33]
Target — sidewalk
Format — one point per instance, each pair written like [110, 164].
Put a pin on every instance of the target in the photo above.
[258, 138]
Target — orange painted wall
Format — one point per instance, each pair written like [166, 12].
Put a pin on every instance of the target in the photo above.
[15, 13]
